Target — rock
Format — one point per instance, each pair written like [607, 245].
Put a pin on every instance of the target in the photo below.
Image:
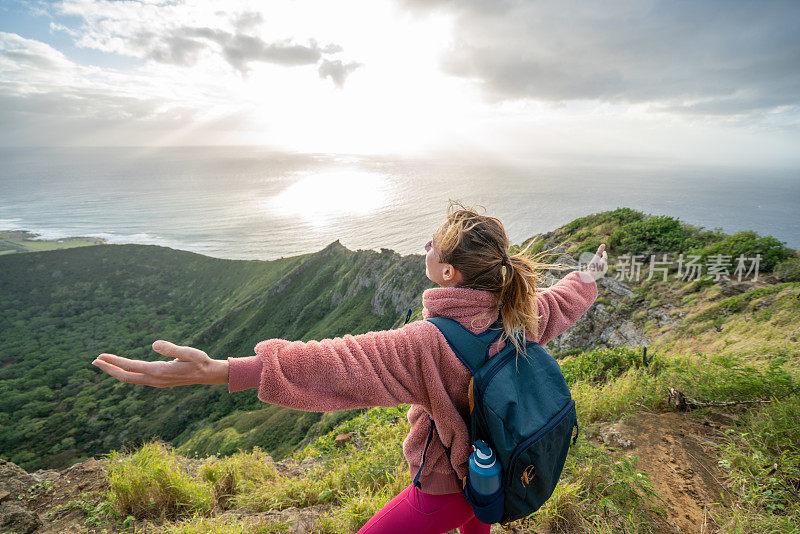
[660, 317]
[17, 519]
[302, 521]
[4, 495]
[14, 479]
[611, 435]
[623, 334]
[615, 286]
[341, 439]
[729, 288]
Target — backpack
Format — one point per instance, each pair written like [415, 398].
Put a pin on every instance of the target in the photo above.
[521, 406]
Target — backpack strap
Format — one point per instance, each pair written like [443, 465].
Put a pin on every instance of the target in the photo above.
[471, 349]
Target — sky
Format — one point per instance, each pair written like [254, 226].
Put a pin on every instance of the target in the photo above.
[696, 81]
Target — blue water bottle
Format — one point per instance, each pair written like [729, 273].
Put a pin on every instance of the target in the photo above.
[484, 472]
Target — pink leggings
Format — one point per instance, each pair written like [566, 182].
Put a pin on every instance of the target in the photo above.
[423, 513]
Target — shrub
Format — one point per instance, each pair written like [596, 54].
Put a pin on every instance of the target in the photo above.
[747, 243]
[154, 482]
[625, 215]
[646, 236]
[788, 270]
[599, 364]
[228, 476]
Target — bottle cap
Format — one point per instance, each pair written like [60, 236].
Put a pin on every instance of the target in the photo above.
[484, 456]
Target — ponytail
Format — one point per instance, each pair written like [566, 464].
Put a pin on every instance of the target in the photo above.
[477, 245]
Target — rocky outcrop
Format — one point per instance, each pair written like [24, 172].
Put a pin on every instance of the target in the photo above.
[398, 281]
[14, 515]
[16, 518]
[601, 326]
[402, 286]
[14, 480]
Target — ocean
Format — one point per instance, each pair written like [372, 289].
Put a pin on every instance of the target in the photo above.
[251, 203]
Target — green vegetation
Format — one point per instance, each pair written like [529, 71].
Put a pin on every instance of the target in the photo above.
[60, 309]
[599, 492]
[789, 269]
[223, 526]
[762, 455]
[153, 482]
[626, 231]
[95, 505]
[358, 479]
[748, 244]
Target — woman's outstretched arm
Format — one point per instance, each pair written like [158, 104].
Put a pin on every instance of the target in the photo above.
[381, 368]
[190, 366]
[562, 304]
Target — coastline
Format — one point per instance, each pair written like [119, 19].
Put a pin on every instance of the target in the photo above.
[21, 241]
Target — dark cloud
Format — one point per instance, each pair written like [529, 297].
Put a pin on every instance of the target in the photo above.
[241, 49]
[715, 57]
[182, 46]
[336, 70]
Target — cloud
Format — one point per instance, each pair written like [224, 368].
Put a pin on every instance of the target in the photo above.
[336, 70]
[45, 99]
[713, 57]
[240, 49]
[21, 54]
[174, 49]
[160, 33]
[183, 45]
[247, 20]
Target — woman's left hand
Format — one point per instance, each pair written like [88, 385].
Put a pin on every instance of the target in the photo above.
[190, 366]
[598, 265]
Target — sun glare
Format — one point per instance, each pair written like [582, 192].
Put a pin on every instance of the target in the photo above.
[322, 197]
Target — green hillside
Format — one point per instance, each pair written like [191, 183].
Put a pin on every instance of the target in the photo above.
[727, 353]
[59, 309]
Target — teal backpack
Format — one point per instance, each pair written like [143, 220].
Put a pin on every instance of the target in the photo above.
[521, 406]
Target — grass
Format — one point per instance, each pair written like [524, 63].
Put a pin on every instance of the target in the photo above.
[598, 493]
[154, 482]
[762, 458]
[218, 525]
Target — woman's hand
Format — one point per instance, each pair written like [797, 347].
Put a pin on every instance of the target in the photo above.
[598, 265]
[190, 366]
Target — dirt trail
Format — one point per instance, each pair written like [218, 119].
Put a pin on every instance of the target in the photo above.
[675, 449]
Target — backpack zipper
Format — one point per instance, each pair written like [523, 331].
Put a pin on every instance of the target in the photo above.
[538, 435]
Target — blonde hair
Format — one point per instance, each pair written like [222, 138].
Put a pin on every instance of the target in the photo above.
[477, 246]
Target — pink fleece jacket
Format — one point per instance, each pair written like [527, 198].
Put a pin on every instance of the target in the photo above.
[413, 364]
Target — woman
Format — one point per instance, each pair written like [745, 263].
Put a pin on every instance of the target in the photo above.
[467, 257]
